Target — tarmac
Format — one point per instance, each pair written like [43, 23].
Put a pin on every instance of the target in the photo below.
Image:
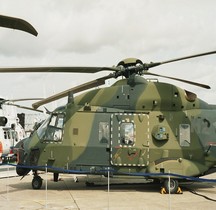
[121, 194]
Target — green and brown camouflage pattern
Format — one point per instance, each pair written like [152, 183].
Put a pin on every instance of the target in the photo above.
[134, 126]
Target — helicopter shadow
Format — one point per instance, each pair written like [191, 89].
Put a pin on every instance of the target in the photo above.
[68, 184]
[84, 184]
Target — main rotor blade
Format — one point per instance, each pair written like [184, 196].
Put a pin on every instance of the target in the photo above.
[9, 102]
[85, 86]
[19, 99]
[17, 23]
[181, 80]
[150, 65]
[24, 107]
[63, 69]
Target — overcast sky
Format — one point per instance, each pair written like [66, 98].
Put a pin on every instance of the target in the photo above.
[101, 33]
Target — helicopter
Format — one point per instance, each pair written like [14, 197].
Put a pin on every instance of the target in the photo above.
[17, 23]
[12, 126]
[11, 132]
[135, 127]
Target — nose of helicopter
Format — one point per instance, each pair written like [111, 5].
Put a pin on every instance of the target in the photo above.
[21, 168]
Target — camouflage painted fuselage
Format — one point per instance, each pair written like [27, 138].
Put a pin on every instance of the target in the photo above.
[133, 126]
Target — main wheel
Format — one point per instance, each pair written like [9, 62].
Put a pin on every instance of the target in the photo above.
[171, 186]
[37, 182]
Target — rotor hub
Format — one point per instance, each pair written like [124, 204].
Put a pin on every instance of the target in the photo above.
[130, 62]
[130, 66]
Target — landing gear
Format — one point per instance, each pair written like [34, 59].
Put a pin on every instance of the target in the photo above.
[36, 181]
[171, 186]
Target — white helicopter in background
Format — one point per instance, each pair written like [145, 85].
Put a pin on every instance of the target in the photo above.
[12, 127]
[11, 131]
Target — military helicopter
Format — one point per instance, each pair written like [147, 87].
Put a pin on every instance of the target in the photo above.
[17, 23]
[136, 127]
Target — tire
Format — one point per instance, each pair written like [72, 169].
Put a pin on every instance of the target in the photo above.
[37, 182]
[173, 186]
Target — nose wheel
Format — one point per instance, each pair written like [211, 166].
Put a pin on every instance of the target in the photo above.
[36, 181]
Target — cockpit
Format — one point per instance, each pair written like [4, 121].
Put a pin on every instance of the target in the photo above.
[52, 128]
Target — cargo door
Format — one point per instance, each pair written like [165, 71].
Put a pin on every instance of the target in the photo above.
[129, 140]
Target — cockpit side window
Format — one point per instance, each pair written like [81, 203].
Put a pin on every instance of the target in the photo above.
[52, 128]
